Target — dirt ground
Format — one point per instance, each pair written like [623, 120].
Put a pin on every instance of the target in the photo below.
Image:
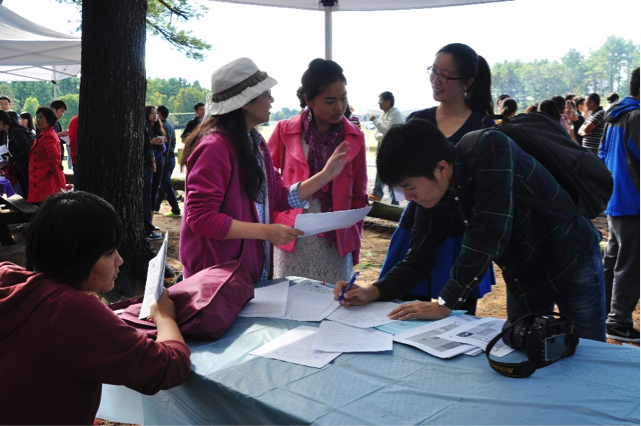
[376, 236]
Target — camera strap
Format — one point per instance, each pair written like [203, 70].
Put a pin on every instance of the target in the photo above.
[516, 370]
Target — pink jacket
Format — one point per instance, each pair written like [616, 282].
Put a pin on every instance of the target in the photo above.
[349, 188]
[214, 196]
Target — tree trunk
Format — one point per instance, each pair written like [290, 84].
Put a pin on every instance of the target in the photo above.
[111, 123]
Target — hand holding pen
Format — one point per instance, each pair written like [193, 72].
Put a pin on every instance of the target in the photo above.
[349, 295]
[348, 286]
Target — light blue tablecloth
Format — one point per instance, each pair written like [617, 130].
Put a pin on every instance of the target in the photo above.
[597, 385]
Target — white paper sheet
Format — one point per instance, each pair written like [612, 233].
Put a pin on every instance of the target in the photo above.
[398, 327]
[315, 223]
[428, 337]
[310, 301]
[268, 302]
[335, 337]
[155, 280]
[365, 316]
[295, 346]
[479, 333]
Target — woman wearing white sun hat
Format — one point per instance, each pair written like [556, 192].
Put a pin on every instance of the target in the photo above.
[231, 187]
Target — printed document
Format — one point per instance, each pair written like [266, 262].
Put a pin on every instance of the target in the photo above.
[268, 302]
[315, 223]
[309, 301]
[335, 337]
[398, 327]
[295, 346]
[155, 280]
[479, 333]
[428, 337]
[364, 316]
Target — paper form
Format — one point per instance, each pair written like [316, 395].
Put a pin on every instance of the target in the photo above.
[365, 316]
[268, 302]
[315, 223]
[479, 333]
[309, 301]
[155, 280]
[428, 337]
[295, 346]
[398, 327]
[336, 337]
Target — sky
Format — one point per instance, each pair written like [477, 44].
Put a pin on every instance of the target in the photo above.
[379, 51]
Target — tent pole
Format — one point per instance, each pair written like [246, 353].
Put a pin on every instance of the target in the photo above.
[328, 32]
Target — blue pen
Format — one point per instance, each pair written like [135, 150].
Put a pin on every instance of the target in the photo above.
[349, 285]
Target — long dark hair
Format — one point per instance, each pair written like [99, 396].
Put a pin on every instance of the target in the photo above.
[234, 125]
[27, 116]
[478, 96]
[154, 127]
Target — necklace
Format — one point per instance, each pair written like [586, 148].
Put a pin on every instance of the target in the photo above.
[438, 109]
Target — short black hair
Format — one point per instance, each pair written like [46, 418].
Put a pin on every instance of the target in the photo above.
[3, 97]
[412, 149]
[634, 83]
[387, 96]
[163, 110]
[68, 233]
[198, 105]
[612, 97]
[509, 107]
[594, 97]
[57, 104]
[48, 114]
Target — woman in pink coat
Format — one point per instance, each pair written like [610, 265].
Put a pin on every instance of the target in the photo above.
[45, 169]
[300, 148]
[231, 187]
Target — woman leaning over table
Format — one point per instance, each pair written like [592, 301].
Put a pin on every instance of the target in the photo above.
[45, 169]
[461, 83]
[300, 148]
[231, 186]
[58, 342]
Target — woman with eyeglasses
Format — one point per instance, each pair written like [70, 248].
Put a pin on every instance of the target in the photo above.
[231, 186]
[300, 147]
[45, 169]
[461, 83]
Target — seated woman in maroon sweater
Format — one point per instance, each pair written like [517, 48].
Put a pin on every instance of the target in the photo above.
[59, 344]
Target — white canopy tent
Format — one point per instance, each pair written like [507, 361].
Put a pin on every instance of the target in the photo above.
[29, 52]
[330, 6]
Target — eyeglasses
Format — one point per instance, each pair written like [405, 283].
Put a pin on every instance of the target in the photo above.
[39, 117]
[442, 78]
[267, 93]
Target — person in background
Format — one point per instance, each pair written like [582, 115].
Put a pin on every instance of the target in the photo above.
[19, 143]
[199, 110]
[231, 186]
[45, 169]
[169, 164]
[157, 138]
[58, 342]
[499, 101]
[612, 99]
[391, 116]
[60, 108]
[5, 105]
[532, 108]
[509, 108]
[300, 148]
[549, 107]
[592, 129]
[581, 107]
[620, 152]
[560, 105]
[461, 84]
[570, 113]
[349, 114]
[73, 141]
[27, 121]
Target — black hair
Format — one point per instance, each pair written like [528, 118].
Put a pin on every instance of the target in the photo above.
[578, 100]
[155, 128]
[6, 119]
[235, 125]
[612, 98]
[3, 97]
[549, 107]
[57, 104]
[560, 103]
[594, 97]
[634, 83]
[412, 149]
[320, 73]
[387, 96]
[27, 116]
[68, 233]
[509, 107]
[569, 96]
[478, 96]
[500, 99]
[163, 110]
[48, 114]
[532, 108]
[348, 112]
[198, 105]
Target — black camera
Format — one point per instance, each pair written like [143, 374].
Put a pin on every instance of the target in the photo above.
[545, 338]
[542, 337]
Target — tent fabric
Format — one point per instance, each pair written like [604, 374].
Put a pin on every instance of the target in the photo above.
[31, 52]
[361, 5]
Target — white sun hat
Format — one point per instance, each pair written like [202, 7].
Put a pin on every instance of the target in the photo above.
[235, 84]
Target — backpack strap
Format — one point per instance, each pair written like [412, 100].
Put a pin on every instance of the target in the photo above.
[467, 150]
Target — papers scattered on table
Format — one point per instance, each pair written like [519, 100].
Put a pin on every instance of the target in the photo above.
[398, 327]
[268, 302]
[155, 279]
[309, 301]
[365, 316]
[479, 333]
[335, 337]
[315, 223]
[295, 346]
